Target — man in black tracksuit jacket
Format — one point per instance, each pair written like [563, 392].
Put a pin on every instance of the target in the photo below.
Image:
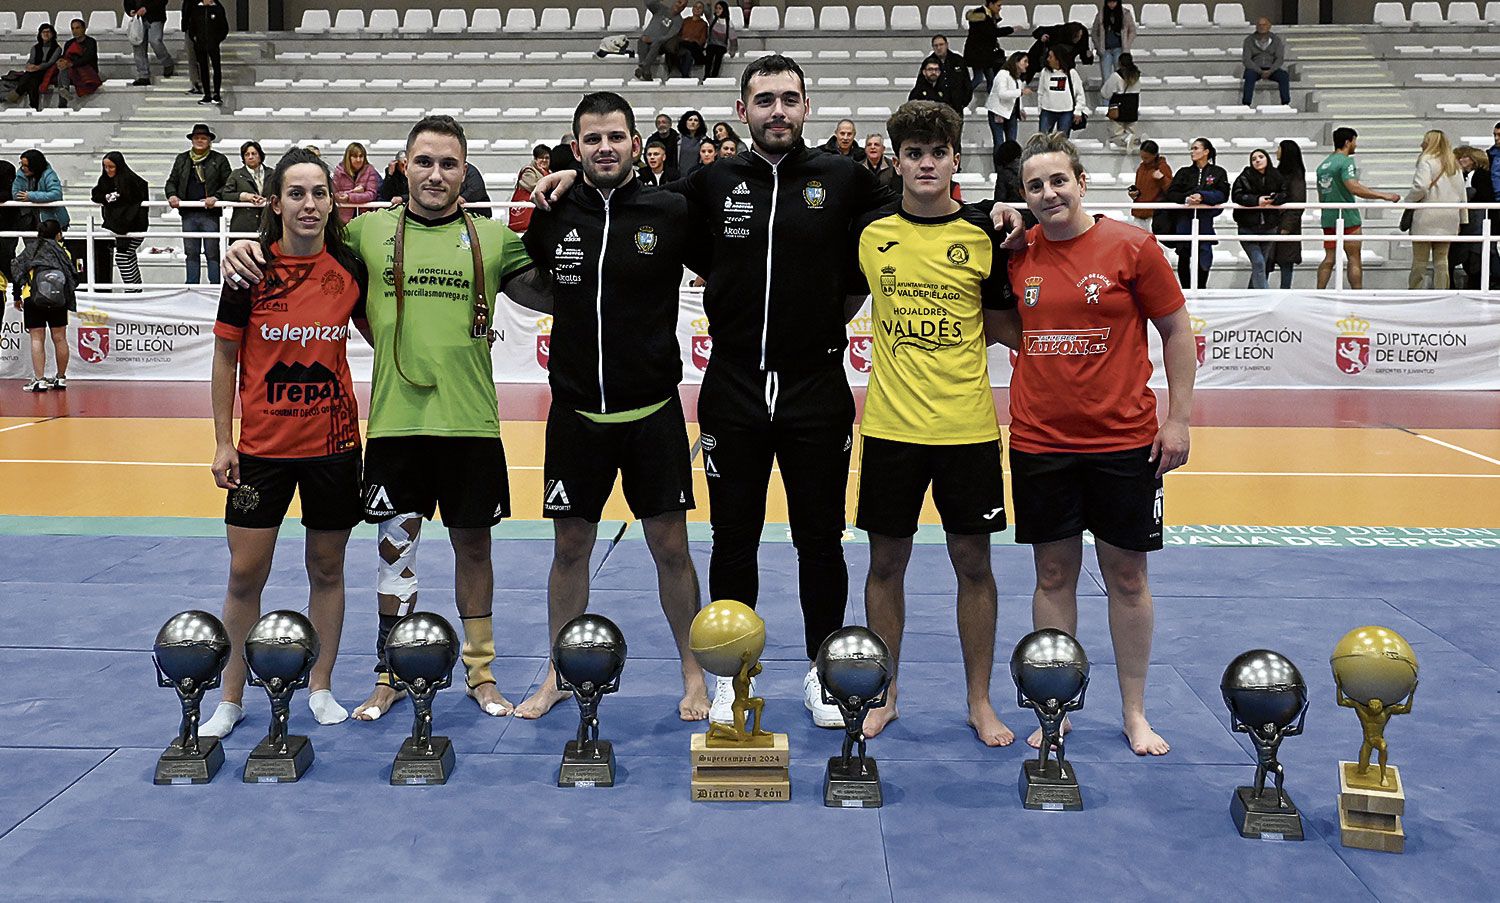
[614, 250]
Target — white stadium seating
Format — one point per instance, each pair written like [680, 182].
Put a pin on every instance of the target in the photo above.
[418, 22]
[869, 18]
[627, 20]
[1156, 15]
[553, 18]
[348, 21]
[1390, 14]
[798, 18]
[942, 18]
[1230, 15]
[315, 21]
[1192, 15]
[903, 18]
[1044, 14]
[834, 19]
[765, 18]
[1427, 13]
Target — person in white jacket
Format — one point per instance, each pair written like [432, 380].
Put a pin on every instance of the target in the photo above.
[1063, 100]
[1437, 180]
[1004, 104]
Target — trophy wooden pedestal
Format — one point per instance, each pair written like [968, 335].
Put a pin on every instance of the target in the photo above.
[1370, 815]
[753, 771]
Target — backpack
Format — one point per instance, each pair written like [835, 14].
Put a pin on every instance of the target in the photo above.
[49, 289]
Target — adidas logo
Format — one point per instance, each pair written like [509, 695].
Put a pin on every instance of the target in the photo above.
[572, 235]
[741, 188]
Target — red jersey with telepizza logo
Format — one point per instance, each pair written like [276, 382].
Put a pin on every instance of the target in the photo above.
[296, 394]
[1080, 376]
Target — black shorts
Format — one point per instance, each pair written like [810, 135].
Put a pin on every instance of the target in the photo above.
[464, 476]
[34, 317]
[968, 486]
[651, 455]
[328, 487]
[1116, 496]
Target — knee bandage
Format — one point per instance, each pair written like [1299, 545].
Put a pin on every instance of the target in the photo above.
[397, 575]
[479, 649]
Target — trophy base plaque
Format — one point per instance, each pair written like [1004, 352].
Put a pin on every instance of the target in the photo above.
[1369, 814]
[590, 765]
[1260, 818]
[847, 786]
[267, 765]
[1054, 789]
[754, 771]
[180, 766]
[416, 766]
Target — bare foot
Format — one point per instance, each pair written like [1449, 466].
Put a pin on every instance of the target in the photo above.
[380, 701]
[694, 705]
[490, 700]
[546, 696]
[1035, 740]
[877, 719]
[991, 730]
[1143, 740]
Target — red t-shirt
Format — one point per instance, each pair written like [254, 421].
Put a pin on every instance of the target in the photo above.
[296, 394]
[1080, 377]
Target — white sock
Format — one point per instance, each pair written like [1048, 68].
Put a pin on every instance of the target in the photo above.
[325, 708]
[225, 717]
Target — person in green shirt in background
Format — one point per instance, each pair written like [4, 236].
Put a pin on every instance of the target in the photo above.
[1338, 183]
[434, 431]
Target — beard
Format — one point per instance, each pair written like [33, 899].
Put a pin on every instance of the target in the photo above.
[606, 180]
[775, 144]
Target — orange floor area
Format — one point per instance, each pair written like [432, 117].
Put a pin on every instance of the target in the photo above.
[127, 467]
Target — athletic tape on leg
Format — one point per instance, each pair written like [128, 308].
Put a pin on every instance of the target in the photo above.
[479, 649]
[397, 574]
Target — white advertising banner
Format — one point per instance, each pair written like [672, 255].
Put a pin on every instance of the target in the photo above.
[1253, 340]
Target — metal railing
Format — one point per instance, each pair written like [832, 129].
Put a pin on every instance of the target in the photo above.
[93, 230]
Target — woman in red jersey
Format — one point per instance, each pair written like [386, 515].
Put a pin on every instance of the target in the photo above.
[283, 343]
[1086, 450]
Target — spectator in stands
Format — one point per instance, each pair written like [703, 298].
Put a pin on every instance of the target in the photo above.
[198, 175]
[526, 179]
[708, 153]
[1122, 93]
[1288, 254]
[1437, 180]
[1073, 34]
[691, 132]
[724, 130]
[393, 186]
[122, 195]
[10, 221]
[957, 86]
[1464, 258]
[1003, 107]
[1494, 156]
[562, 158]
[655, 171]
[745, 7]
[982, 53]
[842, 141]
[667, 136]
[247, 185]
[1113, 34]
[721, 41]
[659, 37]
[1257, 192]
[28, 81]
[729, 147]
[1152, 177]
[210, 28]
[474, 192]
[37, 182]
[78, 71]
[1061, 93]
[1008, 186]
[153, 14]
[931, 85]
[314, 150]
[190, 47]
[692, 41]
[1264, 56]
[1201, 187]
[1338, 183]
[48, 279]
[875, 161]
[355, 182]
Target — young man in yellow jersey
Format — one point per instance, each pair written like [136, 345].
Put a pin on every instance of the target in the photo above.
[936, 273]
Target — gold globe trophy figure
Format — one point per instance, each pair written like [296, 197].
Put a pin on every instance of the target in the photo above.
[1374, 673]
[736, 762]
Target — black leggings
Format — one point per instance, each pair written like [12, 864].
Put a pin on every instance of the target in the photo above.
[208, 55]
[803, 421]
[713, 60]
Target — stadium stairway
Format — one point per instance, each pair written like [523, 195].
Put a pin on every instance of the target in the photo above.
[1367, 99]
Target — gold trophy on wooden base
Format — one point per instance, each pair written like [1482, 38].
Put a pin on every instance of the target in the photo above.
[1374, 673]
[736, 762]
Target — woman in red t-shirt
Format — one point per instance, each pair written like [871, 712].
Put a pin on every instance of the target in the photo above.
[283, 343]
[1086, 451]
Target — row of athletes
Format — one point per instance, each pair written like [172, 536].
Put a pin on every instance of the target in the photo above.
[605, 258]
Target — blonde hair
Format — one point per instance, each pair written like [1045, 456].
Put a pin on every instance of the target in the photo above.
[349, 151]
[1476, 156]
[1435, 144]
[1052, 143]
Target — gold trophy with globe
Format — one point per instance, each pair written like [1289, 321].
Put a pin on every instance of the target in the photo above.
[736, 762]
[1374, 673]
